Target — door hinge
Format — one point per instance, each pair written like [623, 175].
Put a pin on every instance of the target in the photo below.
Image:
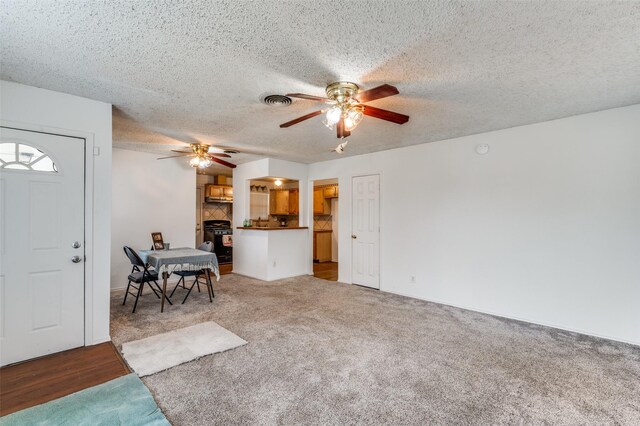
[96, 151]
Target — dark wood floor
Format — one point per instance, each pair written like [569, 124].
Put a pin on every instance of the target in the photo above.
[326, 271]
[44, 379]
[226, 268]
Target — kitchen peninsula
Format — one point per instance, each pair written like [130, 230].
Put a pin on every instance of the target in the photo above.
[269, 199]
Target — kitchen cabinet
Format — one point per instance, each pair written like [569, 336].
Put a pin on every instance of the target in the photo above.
[331, 191]
[284, 202]
[279, 202]
[218, 193]
[320, 205]
[322, 196]
[294, 201]
[322, 246]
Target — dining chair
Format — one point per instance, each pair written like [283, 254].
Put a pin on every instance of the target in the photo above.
[140, 274]
[208, 247]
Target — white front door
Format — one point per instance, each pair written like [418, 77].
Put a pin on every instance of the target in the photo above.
[366, 231]
[41, 244]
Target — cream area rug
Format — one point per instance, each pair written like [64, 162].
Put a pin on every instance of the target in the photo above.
[166, 350]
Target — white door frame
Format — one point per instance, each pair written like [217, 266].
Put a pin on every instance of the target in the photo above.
[379, 174]
[89, 146]
[345, 182]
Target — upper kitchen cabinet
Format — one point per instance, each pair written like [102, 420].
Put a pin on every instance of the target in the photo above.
[279, 202]
[322, 196]
[319, 205]
[331, 191]
[274, 198]
[218, 193]
[294, 201]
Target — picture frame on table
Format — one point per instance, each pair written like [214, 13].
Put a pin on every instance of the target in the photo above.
[158, 242]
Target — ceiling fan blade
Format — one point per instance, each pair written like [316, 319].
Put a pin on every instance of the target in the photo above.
[182, 152]
[176, 156]
[384, 114]
[377, 93]
[299, 119]
[219, 154]
[308, 97]
[224, 163]
[341, 131]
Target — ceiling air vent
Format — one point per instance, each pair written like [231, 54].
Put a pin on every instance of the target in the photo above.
[276, 100]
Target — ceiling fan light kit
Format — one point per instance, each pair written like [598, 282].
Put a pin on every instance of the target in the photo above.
[203, 156]
[201, 163]
[347, 107]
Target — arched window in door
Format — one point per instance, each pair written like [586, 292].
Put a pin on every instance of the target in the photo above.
[19, 156]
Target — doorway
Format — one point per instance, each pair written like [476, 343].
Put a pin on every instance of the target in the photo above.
[42, 244]
[326, 194]
[365, 231]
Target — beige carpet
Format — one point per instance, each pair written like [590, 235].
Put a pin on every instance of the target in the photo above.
[327, 353]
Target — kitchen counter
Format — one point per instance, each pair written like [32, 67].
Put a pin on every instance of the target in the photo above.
[271, 228]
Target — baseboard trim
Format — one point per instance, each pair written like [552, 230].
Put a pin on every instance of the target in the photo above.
[495, 314]
[123, 288]
[98, 341]
[240, 274]
[285, 278]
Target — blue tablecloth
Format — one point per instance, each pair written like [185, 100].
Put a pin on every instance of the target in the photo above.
[181, 259]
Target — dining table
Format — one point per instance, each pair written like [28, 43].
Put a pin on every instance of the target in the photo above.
[181, 259]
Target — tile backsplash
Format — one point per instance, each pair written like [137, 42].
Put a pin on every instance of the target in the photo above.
[274, 220]
[322, 223]
[216, 211]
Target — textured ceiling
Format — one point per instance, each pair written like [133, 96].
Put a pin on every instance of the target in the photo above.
[182, 71]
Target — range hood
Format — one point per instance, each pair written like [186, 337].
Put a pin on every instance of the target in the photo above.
[218, 200]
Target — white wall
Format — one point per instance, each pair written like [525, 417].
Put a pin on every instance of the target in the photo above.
[335, 221]
[149, 196]
[545, 228]
[31, 108]
[287, 256]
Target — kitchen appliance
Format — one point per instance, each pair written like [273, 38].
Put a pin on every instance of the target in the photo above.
[217, 231]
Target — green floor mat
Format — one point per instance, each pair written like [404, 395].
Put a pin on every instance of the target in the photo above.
[122, 401]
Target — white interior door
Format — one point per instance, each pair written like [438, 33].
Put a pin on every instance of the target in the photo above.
[41, 243]
[366, 231]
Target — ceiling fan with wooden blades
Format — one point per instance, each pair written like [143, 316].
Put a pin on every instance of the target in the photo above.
[203, 156]
[347, 106]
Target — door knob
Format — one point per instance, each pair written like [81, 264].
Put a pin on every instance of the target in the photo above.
[76, 244]
[76, 259]
[354, 237]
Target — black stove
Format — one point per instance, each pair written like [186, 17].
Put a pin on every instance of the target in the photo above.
[218, 227]
[216, 230]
